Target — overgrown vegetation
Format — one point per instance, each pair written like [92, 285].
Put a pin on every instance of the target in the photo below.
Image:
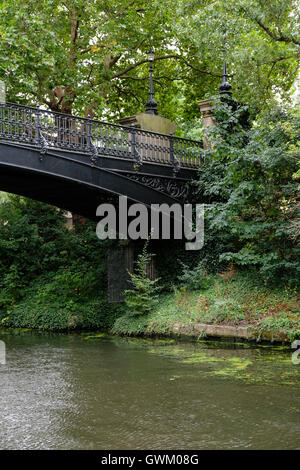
[90, 57]
[250, 182]
[231, 298]
[249, 175]
[50, 277]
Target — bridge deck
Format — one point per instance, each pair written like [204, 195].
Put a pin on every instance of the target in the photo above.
[50, 130]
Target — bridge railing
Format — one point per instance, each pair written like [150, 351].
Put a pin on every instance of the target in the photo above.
[47, 129]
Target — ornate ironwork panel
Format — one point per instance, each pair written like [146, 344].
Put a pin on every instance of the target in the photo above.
[173, 187]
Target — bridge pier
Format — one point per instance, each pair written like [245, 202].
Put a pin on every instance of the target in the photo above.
[121, 259]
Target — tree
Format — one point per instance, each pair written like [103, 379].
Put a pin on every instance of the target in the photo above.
[140, 299]
[79, 56]
[260, 40]
[90, 58]
[248, 175]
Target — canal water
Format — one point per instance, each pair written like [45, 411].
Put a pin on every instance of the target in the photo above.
[91, 391]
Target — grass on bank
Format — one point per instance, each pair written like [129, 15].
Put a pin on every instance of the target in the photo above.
[238, 300]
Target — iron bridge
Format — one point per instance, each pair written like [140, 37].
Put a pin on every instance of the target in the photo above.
[77, 163]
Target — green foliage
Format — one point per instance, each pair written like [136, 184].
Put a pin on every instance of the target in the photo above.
[248, 173]
[53, 303]
[141, 298]
[260, 41]
[130, 325]
[50, 277]
[69, 290]
[240, 300]
[90, 57]
[30, 242]
[284, 323]
[169, 260]
[193, 278]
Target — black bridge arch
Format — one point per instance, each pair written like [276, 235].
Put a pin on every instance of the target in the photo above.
[77, 163]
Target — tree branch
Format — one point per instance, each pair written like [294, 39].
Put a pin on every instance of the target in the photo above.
[280, 59]
[200, 71]
[171, 56]
[114, 60]
[162, 77]
[144, 61]
[280, 38]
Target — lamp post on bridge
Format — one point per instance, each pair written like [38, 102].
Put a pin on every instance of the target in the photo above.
[225, 87]
[150, 120]
[151, 105]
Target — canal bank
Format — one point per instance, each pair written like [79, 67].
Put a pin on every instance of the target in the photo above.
[197, 331]
[247, 333]
[224, 308]
[182, 332]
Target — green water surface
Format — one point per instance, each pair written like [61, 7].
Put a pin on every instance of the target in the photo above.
[92, 391]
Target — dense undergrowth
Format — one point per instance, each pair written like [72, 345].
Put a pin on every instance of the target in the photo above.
[230, 298]
[50, 277]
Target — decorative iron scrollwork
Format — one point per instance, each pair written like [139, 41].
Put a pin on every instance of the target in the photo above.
[92, 147]
[174, 188]
[93, 154]
[138, 159]
[43, 144]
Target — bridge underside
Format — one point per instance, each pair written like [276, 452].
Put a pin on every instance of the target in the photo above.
[70, 181]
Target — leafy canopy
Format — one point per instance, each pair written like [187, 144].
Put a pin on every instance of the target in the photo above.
[90, 57]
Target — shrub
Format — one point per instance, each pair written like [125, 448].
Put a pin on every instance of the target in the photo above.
[141, 298]
[193, 278]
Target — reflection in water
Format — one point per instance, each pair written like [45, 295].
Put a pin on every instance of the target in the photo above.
[89, 391]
